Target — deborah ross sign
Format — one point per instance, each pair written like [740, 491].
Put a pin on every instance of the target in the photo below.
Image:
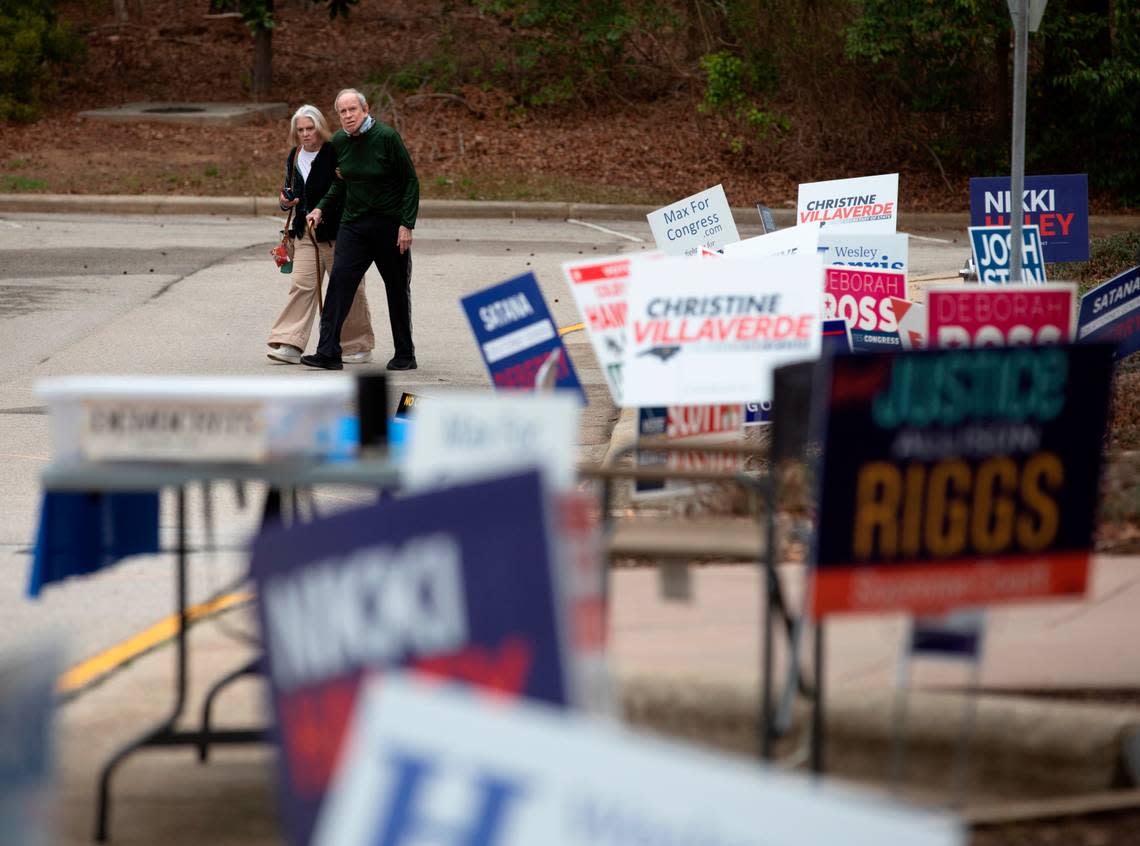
[998, 316]
[958, 478]
[1058, 205]
[458, 583]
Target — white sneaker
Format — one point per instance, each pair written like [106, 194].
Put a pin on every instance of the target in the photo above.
[357, 357]
[284, 353]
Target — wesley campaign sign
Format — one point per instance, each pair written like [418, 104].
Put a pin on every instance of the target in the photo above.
[517, 336]
[465, 435]
[714, 337]
[702, 220]
[430, 765]
[958, 478]
[869, 202]
[1058, 205]
[458, 583]
[998, 316]
[991, 245]
[1111, 313]
[598, 287]
[869, 251]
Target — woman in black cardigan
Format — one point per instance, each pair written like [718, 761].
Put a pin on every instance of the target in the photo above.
[309, 172]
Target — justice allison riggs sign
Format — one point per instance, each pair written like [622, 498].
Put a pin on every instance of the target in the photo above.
[955, 478]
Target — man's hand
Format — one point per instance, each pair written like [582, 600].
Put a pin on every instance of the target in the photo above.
[313, 218]
[286, 204]
[404, 239]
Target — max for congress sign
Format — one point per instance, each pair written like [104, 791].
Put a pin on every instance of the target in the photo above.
[957, 478]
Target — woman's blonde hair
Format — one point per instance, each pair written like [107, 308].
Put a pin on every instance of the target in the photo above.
[313, 113]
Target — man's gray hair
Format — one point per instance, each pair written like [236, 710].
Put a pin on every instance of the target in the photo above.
[318, 119]
[343, 91]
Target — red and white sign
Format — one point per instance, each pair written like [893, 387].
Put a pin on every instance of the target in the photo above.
[911, 318]
[1009, 315]
[862, 297]
[598, 287]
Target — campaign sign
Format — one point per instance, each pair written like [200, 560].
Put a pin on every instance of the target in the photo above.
[465, 435]
[971, 316]
[598, 287]
[1111, 313]
[1058, 205]
[405, 405]
[796, 240]
[868, 250]
[911, 318]
[714, 337]
[862, 297]
[691, 424]
[991, 245]
[702, 220]
[517, 335]
[458, 583]
[955, 478]
[433, 765]
[869, 202]
[836, 338]
[955, 635]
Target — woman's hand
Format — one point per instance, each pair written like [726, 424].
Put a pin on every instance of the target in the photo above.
[286, 204]
[313, 218]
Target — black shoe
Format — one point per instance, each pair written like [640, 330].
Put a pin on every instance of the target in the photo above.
[400, 363]
[322, 361]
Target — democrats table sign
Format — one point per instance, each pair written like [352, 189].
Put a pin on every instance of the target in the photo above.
[1111, 313]
[867, 251]
[458, 584]
[598, 287]
[869, 202]
[714, 337]
[971, 316]
[990, 246]
[517, 336]
[796, 240]
[428, 764]
[702, 220]
[1058, 205]
[958, 478]
[467, 435]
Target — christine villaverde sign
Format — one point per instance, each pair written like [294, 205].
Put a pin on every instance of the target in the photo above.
[956, 478]
[869, 202]
[459, 583]
[713, 336]
[1058, 205]
[516, 335]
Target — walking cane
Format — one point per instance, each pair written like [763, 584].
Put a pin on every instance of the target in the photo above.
[311, 231]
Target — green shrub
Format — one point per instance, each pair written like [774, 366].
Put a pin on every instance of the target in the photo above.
[34, 47]
[1108, 257]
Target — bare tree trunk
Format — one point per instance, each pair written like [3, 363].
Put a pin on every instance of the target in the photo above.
[262, 63]
[120, 7]
[1002, 92]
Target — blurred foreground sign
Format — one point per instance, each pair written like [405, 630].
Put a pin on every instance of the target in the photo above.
[458, 583]
[431, 765]
[959, 477]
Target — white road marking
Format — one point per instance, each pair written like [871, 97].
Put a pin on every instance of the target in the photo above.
[607, 231]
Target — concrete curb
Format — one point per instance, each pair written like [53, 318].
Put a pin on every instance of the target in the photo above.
[179, 204]
[1020, 749]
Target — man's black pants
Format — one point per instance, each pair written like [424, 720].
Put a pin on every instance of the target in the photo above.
[359, 243]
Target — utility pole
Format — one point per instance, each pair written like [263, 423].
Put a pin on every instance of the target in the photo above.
[1026, 16]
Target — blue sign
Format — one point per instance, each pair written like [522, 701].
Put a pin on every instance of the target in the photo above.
[1058, 205]
[867, 340]
[958, 634]
[517, 336]
[456, 583]
[991, 245]
[1111, 313]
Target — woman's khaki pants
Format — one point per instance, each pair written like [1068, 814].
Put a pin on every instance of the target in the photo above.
[295, 322]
